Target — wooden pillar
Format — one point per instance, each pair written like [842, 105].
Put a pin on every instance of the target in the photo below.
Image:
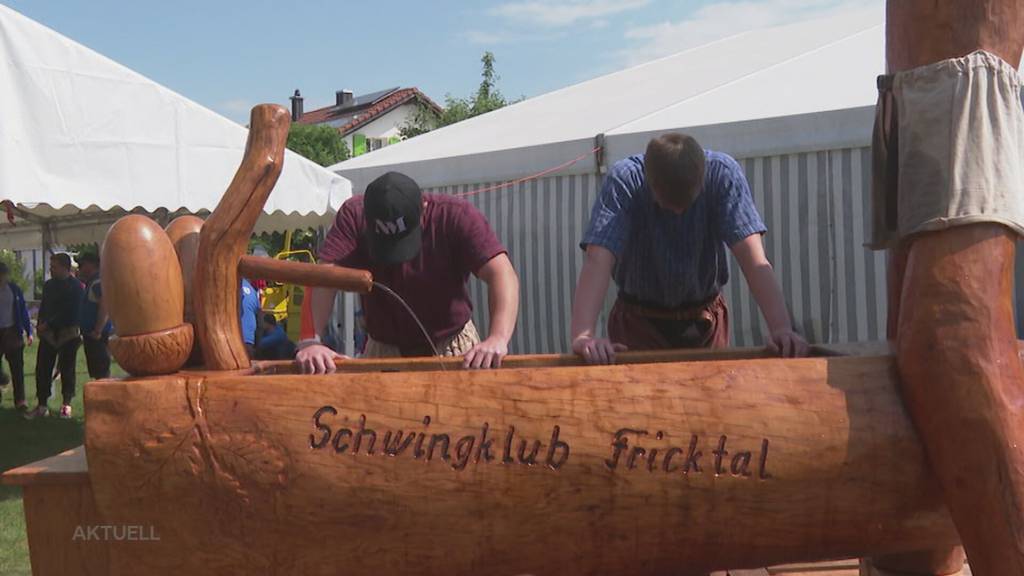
[961, 380]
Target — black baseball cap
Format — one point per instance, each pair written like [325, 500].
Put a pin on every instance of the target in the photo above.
[392, 208]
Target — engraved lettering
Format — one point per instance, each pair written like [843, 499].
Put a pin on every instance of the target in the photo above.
[340, 447]
[418, 450]
[326, 430]
[619, 445]
[631, 461]
[435, 439]
[484, 448]
[692, 457]
[556, 446]
[506, 455]
[398, 446]
[762, 471]
[741, 464]
[719, 453]
[532, 458]
[358, 438]
[463, 451]
[668, 459]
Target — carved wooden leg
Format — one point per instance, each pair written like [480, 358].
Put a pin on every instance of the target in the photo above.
[939, 562]
[962, 383]
[936, 562]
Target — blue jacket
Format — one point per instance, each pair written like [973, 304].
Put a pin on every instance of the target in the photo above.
[21, 318]
[249, 309]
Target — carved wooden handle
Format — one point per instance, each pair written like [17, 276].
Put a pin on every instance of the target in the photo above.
[303, 274]
[225, 236]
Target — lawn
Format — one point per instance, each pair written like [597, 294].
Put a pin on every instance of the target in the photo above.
[23, 441]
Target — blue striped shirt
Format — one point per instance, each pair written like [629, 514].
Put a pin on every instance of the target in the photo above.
[664, 258]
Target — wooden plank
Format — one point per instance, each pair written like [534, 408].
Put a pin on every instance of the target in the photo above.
[354, 365]
[68, 467]
[63, 530]
[305, 274]
[835, 568]
[524, 361]
[209, 458]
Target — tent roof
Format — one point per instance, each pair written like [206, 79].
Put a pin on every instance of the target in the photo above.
[83, 134]
[798, 69]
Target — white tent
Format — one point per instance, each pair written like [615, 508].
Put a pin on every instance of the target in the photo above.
[794, 104]
[800, 69]
[84, 139]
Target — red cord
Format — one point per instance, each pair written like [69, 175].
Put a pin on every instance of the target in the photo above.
[532, 177]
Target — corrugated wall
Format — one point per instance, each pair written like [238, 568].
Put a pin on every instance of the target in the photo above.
[815, 207]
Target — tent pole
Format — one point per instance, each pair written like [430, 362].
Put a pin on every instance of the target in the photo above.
[47, 247]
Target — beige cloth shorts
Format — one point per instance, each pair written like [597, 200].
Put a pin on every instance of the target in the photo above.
[457, 345]
[948, 148]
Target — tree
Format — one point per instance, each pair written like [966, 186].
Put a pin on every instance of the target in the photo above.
[16, 268]
[319, 143]
[486, 99]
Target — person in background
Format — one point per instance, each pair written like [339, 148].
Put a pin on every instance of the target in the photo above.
[93, 319]
[15, 329]
[423, 247]
[273, 343]
[59, 335]
[249, 311]
[359, 337]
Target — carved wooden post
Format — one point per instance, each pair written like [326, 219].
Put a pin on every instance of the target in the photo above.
[961, 378]
[225, 237]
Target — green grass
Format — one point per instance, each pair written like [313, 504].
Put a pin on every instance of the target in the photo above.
[23, 441]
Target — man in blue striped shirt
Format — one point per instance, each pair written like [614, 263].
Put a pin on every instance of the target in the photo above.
[659, 228]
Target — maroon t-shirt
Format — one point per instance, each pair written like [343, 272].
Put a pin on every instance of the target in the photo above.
[457, 241]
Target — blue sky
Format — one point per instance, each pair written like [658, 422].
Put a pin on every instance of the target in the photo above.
[231, 54]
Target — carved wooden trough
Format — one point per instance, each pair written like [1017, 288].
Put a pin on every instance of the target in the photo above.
[668, 463]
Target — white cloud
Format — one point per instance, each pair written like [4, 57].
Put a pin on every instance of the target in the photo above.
[558, 13]
[721, 19]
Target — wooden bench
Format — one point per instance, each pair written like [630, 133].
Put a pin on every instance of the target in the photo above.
[59, 511]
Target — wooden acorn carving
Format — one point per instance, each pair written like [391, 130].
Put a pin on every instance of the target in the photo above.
[184, 234]
[142, 281]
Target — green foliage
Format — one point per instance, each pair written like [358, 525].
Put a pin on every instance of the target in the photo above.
[273, 242]
[38, 278]
[486, 99]
[17, 268]
[91, 247]
[320, 143]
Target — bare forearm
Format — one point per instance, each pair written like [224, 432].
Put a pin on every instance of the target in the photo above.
[767, 292]
[503, 299]
[590, 291]
[322, 303]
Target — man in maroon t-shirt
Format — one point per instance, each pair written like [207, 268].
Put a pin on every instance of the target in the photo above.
[424, 247]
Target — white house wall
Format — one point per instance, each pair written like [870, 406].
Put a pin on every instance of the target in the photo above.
[384, 126]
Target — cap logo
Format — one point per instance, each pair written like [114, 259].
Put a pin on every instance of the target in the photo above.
[391, 228]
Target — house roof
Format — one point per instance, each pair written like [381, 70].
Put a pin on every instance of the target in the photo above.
[365, 108]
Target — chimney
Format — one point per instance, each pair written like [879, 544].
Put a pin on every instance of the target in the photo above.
[343, 98]
[296, 105]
